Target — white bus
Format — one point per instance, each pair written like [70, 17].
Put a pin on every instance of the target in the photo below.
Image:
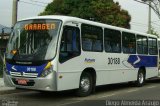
[55, 53]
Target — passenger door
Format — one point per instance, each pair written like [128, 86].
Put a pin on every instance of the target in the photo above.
[70, 44]
[69, 59]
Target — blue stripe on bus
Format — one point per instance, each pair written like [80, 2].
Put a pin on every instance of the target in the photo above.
[138, 60]
[26, 69]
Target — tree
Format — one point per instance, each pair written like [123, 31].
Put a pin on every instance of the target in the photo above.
[104, 11]
[155, 5]
[153, 32]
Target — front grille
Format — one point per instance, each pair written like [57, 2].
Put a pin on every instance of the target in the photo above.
[23, 74]
[29, 83]
[33, 75]
[17, 74]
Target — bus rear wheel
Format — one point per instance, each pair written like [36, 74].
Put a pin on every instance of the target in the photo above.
[140, 78]
[85, 85]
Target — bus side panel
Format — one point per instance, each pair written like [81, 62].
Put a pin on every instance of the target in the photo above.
[151, 72]
[108, 69]
[115, 76]
[69, 80]
[116, 68]
[145, 61]
[98, 61]
[68, 74]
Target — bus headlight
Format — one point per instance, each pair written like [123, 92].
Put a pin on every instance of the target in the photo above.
[47, 70]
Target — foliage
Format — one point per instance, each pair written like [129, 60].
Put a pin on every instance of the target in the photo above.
[153, 32]
[104, 11]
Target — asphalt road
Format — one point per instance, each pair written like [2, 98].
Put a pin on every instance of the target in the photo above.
[109, 95]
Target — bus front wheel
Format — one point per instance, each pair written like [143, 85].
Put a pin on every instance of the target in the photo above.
[140, 78]
[85, 85]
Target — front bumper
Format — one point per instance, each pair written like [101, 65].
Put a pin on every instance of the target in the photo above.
[47, 83]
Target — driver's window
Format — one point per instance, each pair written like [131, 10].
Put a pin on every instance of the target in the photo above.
[70, 43]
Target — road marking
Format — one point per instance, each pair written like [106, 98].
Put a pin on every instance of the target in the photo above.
[106, 96]
[151, 87]
[132, 90]
[69, 103]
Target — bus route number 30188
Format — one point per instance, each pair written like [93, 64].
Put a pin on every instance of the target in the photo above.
[113, 61]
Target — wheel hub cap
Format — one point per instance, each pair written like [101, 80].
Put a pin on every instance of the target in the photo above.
[141, 78]
[85, 84]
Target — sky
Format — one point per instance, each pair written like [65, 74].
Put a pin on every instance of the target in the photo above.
[29, 8]
[139, 15]
[26, 8]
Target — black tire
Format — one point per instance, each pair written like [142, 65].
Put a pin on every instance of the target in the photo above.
[85, 85]
[140, 78]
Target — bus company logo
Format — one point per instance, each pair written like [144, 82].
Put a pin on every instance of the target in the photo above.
[13, 68]
[132, 61]
[137, 61]
[89, 60]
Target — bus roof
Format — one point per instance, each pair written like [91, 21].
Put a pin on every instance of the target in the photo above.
[79, 20]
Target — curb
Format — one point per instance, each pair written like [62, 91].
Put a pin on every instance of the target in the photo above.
[10, 90]
[7, 90]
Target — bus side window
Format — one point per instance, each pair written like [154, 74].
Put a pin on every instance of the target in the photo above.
[112, 40]
[152, 43]
[92, 38]
[70, 43]
[128, 43]
[87, 44]
[142, 44]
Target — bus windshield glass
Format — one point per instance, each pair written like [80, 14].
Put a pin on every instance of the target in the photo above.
[33, 40]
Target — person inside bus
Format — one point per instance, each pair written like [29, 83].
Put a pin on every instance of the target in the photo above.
[125, 49]
[116, 47]
[87, 44]
[97, 46]
[108, 47]
[131, 48]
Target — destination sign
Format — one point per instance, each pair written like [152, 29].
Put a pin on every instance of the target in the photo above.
[40, 26]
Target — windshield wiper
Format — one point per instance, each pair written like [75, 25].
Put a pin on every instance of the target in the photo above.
[18, 49]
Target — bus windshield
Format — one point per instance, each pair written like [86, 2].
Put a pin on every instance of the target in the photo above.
[33, 40]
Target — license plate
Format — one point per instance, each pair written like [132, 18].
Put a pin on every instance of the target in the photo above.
[22, 81]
